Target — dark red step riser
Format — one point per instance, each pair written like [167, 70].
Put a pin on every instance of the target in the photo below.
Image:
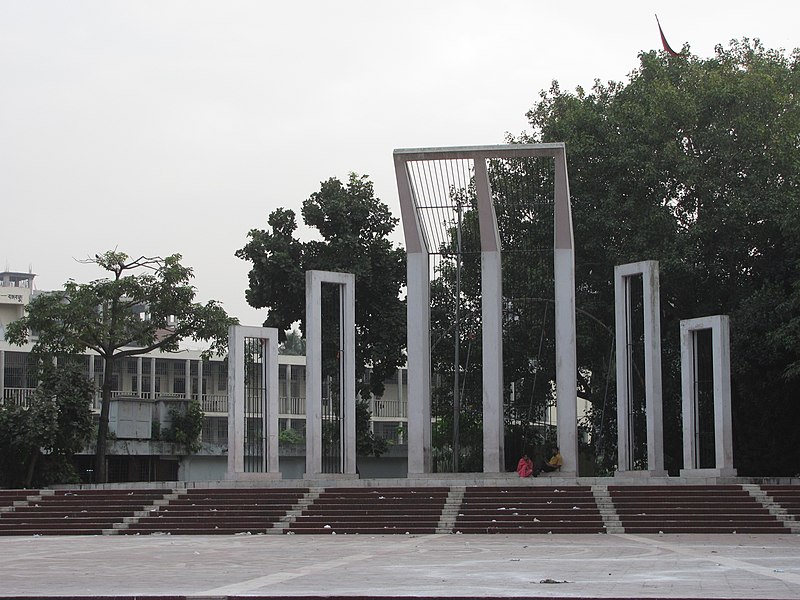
[53, 532]
[727, 530]
[320, 522]
[174, 527]
[55, 522]
[527, 530]
[194, 514]
[365, 531]
[387, 502]
[209, 505]
[321, 514]
[489, 507]
[25, 514]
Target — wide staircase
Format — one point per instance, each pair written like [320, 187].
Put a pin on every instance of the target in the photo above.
[519, 509]
[219, 511]
[77, 512]
[692, 509]
[787, 496]
[388, 510]
[560, 509]
[784, 502]
[9, 497]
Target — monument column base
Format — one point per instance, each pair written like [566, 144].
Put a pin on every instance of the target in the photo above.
[641, 474]
[230, 476]
[330, 476]
[726, 472]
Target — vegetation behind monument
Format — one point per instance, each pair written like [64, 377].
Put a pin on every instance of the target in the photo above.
[695, 163]
[354, 227]
[146, 304]
[38, 441]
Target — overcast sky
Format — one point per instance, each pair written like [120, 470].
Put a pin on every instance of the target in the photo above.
[157, 127]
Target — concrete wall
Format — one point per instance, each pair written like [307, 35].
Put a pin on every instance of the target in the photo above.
[393, 464]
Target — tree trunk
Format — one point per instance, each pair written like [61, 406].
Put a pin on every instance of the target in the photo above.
[100, 471]
[31, 469]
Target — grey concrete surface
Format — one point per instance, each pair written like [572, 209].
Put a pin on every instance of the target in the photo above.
[601, 566]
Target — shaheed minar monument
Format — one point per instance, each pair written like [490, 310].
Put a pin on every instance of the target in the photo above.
[426, 180]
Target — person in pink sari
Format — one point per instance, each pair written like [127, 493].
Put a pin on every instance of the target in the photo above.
[525, 466]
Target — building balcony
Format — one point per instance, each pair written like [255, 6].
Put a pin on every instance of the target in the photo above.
[388, 409]
[217, 404]
[18, 396]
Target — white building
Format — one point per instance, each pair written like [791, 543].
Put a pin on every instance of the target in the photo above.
[147, 387]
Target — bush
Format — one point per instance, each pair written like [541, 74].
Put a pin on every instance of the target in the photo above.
[186, 428]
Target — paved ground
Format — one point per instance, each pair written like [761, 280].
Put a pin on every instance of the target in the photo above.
[600, 566]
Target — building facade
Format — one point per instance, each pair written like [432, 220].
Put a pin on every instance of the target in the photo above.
[147, 389]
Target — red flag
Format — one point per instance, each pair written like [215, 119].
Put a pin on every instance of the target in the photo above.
[667, 48]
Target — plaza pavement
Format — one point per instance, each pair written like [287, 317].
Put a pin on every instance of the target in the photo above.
[426, 566]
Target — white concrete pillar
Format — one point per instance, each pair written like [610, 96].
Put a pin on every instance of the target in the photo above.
[268, 337]
[200, 381]
[418, 328]
[399, 390]
[313, 322]
[138, 376]
[723, 425]
[235, 406]
[419, 363]
[152, 378]
[623, 277]
[347, 304]
[492, 325]
[288, 381]
[566, 345]
[2, 375]
[188, 379]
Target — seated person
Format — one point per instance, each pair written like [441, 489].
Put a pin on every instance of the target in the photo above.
[553, 464]
[525, 466]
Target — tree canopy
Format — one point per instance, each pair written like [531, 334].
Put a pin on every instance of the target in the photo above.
[694, 162]
[37, 441]
[145, 304]
[354, 227]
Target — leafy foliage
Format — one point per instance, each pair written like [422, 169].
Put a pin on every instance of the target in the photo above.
[37, 442]
[367, 443]
[694, 163]
[291, 437]
[145, 304]
[186, 425]
[354, 227]
[294, 345]
[522, 192]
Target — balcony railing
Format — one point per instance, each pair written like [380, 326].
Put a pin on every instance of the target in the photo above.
[294, 406]
[215, 403]
[18, 396]
[393, 409]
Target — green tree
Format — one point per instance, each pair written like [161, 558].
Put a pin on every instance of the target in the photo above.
[294, 345]
[354, 227]
[38, 441]
[522, 197]
[367, 443]
[693, 162]
[186, 426]
[145, 304]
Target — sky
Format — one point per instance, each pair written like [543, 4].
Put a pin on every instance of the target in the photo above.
[162, 127]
